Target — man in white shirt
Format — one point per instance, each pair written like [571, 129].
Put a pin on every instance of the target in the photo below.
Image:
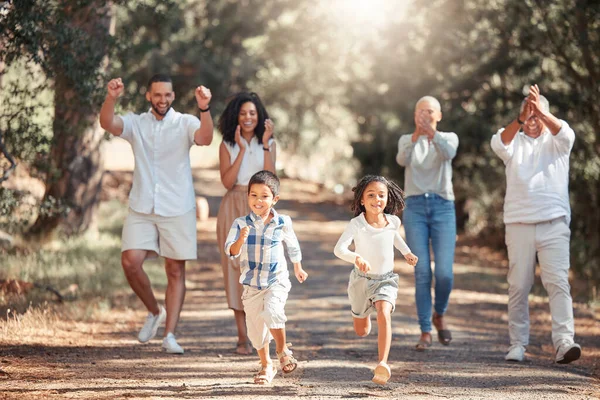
[535, 149]
[162, 216]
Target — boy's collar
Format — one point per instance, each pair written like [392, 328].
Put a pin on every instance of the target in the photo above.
[255, 217]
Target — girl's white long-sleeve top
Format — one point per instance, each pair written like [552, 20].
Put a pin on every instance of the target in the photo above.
[376, 245]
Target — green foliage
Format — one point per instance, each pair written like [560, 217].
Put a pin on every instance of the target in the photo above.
[340, 80]
[52, 54]
[478, 58]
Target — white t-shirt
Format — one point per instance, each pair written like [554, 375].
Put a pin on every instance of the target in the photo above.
[376, 245]
[253, 161]
[428, 165]
[162, 178]
[537, 175]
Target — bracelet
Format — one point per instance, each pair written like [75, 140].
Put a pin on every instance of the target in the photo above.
[204, 109]
[266, 148]
[519, 121]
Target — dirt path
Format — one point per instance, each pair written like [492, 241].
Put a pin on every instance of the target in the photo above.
[101, 359]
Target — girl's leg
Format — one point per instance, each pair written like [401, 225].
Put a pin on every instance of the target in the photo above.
[362, 326]
[384, 329]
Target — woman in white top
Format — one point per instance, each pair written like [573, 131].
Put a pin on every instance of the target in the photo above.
[247, 147]
[373, 285]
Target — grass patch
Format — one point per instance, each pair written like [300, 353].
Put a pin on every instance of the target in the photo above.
[87, 266]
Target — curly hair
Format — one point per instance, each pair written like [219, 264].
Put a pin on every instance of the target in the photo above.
[228, 121]
[395, 201]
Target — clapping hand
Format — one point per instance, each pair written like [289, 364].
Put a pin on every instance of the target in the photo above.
[268, 132]
[115, 88]
[424, 120]
[533, 100]
[238, 138]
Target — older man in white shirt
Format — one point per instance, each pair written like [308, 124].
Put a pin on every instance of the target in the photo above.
[535, 149]
[162, 216]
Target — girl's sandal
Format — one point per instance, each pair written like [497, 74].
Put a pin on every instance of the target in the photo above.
[265, 375]
[287, 361]
[382, 373]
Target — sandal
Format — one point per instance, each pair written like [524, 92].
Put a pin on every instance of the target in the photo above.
[266, 374]
[289, 360]
[444, 335]
[243, 348]
[423, 344]
[382, 373]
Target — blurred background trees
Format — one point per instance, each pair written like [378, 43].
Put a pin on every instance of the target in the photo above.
[339, 77]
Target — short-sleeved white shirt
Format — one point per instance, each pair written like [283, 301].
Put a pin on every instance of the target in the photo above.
[162, 177]
[253, 161]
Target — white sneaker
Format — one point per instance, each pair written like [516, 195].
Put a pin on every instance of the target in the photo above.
[567, 352]
[516, 352]
[151, 325]
[170, 344]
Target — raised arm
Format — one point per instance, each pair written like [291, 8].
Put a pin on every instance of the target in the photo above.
[446, 146]
[229, 171]
[204, 135]
[406, 144]
[511, 130]
[108, 120]
[270, 150]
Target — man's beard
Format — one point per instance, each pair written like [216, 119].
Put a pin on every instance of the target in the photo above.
[162, 114]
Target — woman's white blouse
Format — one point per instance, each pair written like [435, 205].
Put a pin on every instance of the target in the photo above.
[253, 161]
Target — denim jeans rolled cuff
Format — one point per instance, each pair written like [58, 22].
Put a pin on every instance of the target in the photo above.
[430, 217]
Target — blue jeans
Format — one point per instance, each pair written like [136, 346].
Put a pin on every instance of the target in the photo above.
[431, 217]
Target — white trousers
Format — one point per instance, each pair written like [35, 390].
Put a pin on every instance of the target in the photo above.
[265, 311]
[549, 241]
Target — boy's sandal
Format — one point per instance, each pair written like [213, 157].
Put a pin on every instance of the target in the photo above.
[423, 345]
[243, 348]
[382, 373]
[265, 375]
[290, 363]
[444, 335]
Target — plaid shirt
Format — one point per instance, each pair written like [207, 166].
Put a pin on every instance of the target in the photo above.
[262, 258]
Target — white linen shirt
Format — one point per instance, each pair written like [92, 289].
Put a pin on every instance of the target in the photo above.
[253, 161]
[162, 177]
[376, 245]
[428, 165]
[537, 175]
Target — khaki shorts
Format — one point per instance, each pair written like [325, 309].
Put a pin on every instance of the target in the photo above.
[169, 237]
[365, 289]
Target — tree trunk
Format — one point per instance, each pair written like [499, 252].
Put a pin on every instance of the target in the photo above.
[74, 178]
